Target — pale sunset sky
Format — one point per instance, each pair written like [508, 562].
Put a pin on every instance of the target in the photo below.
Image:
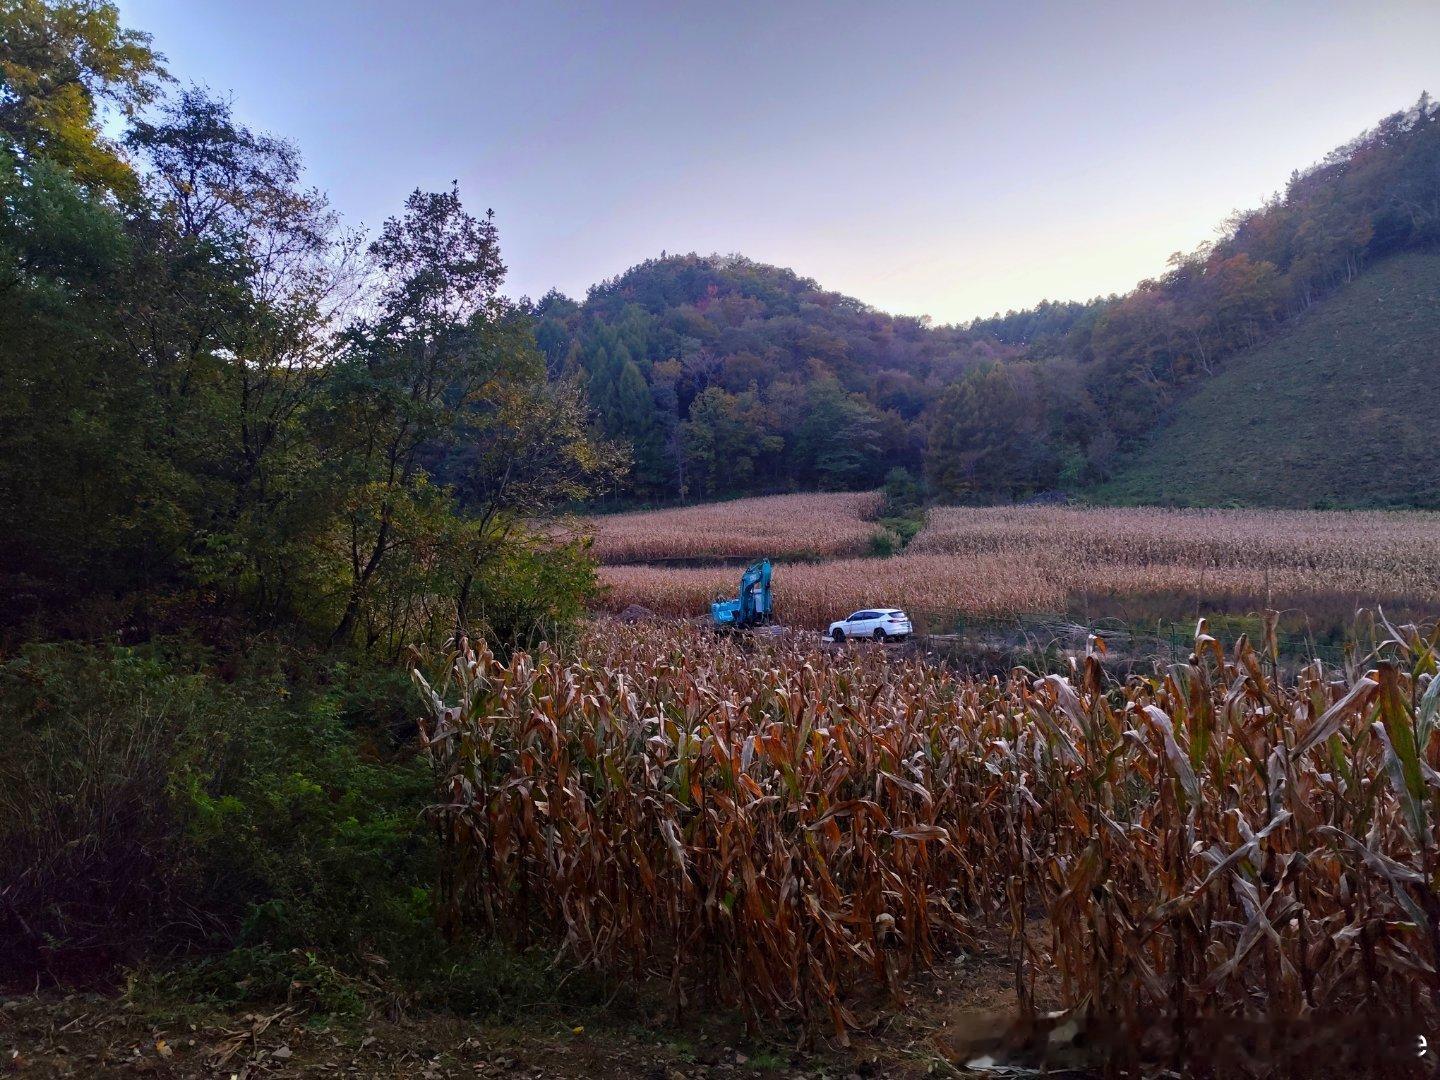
[947, 159]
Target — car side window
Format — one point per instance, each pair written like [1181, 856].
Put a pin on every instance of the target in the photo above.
[856, 617]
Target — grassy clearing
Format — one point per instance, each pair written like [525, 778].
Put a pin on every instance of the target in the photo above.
[1333, 412]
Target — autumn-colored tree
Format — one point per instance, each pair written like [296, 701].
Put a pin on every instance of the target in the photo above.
[987, 437]
[62, 65]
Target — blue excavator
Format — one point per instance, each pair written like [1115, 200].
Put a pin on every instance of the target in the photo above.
[752, 607]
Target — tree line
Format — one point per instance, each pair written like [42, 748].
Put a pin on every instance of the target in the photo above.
[249, 460]
[212, 389]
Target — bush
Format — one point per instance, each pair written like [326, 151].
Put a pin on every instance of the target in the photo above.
[530, 593]
[93, 846]
[885, 542]
[904, 494]
[902, 514]
[149, 806]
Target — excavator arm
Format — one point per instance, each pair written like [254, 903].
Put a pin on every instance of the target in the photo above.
[752, 607]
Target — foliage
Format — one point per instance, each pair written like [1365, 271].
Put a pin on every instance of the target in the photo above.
[755, 379]
[902, 514]
[61, 64]
[197, 403]
[150, 806]
[531, 592]
[986, 435]
[904, 494]
[246, 460]
[408, 375]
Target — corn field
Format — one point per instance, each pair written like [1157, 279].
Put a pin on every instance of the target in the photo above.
[772, 825]
[821, 525]
[1370, 551]
[996, 561]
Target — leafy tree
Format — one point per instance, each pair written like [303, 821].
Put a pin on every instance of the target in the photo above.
[61, 64]
[724, 440]
[228, 431]
[436, 342]
[244, 274]
[986, 438]
[641, 424]
[839, 440]
[526, 451]
[729, 323]
[74, 463]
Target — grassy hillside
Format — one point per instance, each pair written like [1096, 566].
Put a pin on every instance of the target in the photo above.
[1338, 409]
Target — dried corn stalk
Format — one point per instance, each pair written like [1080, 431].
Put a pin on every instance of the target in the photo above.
[769, 823]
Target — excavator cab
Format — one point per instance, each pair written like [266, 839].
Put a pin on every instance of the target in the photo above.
[751, 607]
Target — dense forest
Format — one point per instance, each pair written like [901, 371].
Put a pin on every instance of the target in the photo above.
[248, 457]
[211, 388]
[728, 376]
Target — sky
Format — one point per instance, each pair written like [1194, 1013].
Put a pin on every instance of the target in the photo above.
[942, 159]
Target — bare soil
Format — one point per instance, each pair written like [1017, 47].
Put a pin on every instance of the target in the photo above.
[963, 1008]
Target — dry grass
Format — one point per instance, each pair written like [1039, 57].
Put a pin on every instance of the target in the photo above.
[775, 825]
[1005, 561]
[777, 526]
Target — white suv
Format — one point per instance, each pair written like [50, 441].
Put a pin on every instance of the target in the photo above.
[882, 624]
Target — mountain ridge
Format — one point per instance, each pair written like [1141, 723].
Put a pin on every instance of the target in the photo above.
[730, 377]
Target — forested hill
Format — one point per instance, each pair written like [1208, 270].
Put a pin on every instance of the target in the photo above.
[1334, 410]
[728, 376]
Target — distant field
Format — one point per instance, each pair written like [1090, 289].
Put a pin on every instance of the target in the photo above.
[1336, 409]
[823, 525]
[1120, 562]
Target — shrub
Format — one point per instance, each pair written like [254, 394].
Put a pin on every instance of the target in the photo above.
[94, 851]
[149, 807]
[884, 542]
[904, 494]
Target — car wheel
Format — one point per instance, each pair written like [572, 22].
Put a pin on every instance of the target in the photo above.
[880, 634]
[837, 635]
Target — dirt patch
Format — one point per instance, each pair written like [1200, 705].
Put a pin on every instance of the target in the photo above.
[964, 1003]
